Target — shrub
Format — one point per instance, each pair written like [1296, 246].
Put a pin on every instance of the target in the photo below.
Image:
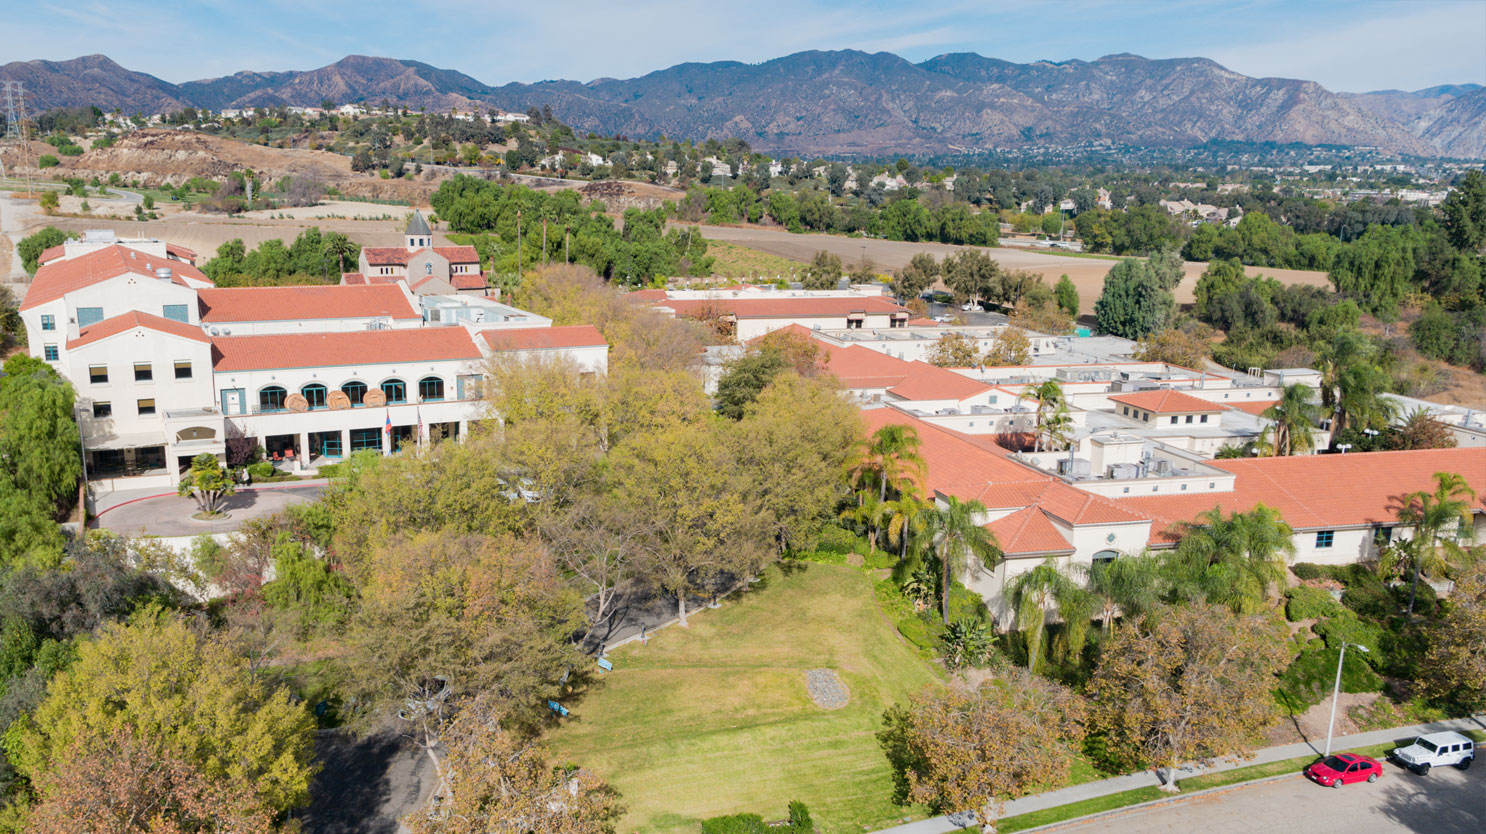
[48, 161]
[879, 559]
[1307, 570]
[834, 539]
[735, 824]
[1307, 603]
[1309, 678]
[262, 470]
[1373, 603]
[915, 631]
[824, 557]
[1347, 628]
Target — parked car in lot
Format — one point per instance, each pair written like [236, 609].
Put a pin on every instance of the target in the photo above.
[1344, 769]
[1435, 750]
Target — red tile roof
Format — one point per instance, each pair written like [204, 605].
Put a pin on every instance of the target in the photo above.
[1254, 408]
[931, 382]
[399, 255]
[128, 321]
[921, 322]
[467, 281]
[353, 279]
[51, 253]
[358, 347]
[1055, 497]
[178, 251]
[222, 305]
[787, 307]
[859, 367]
[545, 338]
[954, 465]
[647, 295]
[61, 277]
[1320, 491]
[1166, 401]
[1028, 532]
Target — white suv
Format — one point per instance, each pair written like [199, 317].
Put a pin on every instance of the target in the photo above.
[1435, 749]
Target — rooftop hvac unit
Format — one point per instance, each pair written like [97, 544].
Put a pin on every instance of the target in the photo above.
[1124, 471]
[1075, 468]
[1161, 467]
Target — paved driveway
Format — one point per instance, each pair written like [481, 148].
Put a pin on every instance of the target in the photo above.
[1447, 801]
[170, 515]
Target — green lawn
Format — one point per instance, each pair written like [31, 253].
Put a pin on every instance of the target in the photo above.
[715, 719]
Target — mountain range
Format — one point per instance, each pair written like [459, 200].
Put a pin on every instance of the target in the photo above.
[849, 102]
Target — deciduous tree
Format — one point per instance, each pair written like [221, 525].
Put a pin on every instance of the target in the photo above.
[955, 350]
[1188, 684]
[181, 696]
[500, 782]
[969, 751]
[1454, 666]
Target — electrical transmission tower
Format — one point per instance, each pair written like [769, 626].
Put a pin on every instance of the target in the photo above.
[15, 108]
[15, 123]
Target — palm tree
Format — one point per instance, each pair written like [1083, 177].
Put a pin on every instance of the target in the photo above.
[867, 512]
[1233, 560]
[1034, 594]
[1292, 421]
[1128, 585]
[1435, 517]
[1049, 395]
[890, 455]
[340, 247]
[1346, 349]
[1057, 427]
[1360, 400]
[904, 519]
[957, 536]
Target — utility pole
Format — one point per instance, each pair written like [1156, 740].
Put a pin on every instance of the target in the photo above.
[565, 258]
[544, 243]
[518, 242]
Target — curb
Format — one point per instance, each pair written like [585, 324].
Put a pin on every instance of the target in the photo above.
[1154, 803]
[268, 487]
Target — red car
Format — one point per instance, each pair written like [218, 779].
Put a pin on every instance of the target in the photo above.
[1344, 769]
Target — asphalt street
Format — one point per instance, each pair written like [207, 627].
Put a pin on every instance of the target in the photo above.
[1447, 801]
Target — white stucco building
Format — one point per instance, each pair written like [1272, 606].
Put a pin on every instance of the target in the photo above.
[167, 366]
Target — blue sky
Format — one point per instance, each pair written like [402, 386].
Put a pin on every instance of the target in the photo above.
[1351, 45]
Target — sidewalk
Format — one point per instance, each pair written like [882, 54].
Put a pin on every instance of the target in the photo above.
[1147, 778]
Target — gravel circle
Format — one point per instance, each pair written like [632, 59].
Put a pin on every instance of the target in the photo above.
[826, 688]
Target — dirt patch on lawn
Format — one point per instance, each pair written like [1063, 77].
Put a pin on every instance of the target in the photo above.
[1311, 724]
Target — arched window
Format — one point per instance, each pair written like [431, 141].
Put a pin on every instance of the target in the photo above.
[272, 398]
[314, 394]
[1106, 556]
[395, 390]
[431, 388]
[355, 392]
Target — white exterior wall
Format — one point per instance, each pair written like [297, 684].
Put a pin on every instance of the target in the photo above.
[119, 353]
[753, 327]
[115, 297]
[251, 382]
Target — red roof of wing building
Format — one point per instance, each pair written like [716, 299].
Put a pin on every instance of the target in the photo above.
[130, 320]
[545, 338]
[1165, 401]
[59, 278]
[1319, 491]
[357, 347]
[220, 305]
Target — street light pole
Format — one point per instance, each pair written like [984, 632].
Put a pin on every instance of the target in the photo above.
[1336, 690]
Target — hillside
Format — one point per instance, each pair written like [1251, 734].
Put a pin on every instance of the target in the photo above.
[1458, 127]
[845, 102]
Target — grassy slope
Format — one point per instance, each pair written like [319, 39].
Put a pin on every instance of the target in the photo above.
[715, 719]
[738, 261]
